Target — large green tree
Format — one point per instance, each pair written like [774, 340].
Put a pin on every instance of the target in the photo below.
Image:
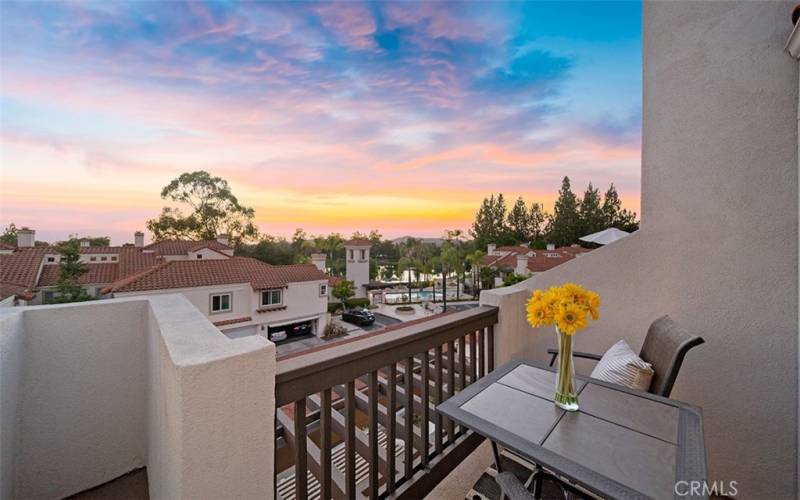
[590, 212]
[212, 210]
[614, 215]
[565, 225]
[490, 222]
[70, 269]
[519, 222]
[537, 218]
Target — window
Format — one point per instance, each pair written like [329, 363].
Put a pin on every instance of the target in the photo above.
[199, 256]
[113, 257]
[92, 259]
[51, 259]
[323, 290]
[271, 297]
[104, 259]
[351, 255]
[220, 302]
[363, 254]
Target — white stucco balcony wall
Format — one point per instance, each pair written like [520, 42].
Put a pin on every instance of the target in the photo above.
[92, 391]
[718, 246]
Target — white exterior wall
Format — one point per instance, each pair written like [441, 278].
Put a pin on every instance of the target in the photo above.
[718, 246]
[206, 254]
[302, 301]
[357, 269]
[100, 388]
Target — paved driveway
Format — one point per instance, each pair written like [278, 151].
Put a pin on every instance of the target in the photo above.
[381, 322]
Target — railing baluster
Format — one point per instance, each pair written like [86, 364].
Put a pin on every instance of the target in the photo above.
[409, 418]
[300, 457]
[425, 452]
[349, 440]
[391, 429]
[373, 435]
[462, 360]
[473, 357]
[451, 386]
[481, 354]
[325, 443]
[438, 435]
[490, 350]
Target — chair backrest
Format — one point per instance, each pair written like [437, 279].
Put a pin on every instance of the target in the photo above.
[665, 346]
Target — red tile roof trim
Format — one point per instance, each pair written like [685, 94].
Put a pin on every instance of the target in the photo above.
[232, 321]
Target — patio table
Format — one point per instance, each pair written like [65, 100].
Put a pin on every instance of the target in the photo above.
[620, 444]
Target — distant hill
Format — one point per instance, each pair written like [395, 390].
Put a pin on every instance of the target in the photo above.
[430, 241]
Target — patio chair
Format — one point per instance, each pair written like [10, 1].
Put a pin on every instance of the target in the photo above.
[665, 346]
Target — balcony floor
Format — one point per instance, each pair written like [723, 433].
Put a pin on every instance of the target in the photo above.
[132, 485]
[456, 485]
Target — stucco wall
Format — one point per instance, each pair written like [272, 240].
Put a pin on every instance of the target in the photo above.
[11, 331]
[94, 390]
[200, 297]
[80, 400]
[718, 245]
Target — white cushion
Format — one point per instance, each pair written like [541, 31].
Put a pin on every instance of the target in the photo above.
[621, 366]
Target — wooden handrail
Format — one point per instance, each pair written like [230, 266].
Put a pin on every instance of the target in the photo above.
[311, 373]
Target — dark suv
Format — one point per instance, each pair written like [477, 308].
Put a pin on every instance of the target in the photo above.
[360, 317]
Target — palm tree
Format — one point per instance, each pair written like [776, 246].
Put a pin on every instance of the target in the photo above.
[403, 265]
[474, 261]
[331, 244]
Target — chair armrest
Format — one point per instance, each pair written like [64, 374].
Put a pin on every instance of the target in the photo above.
[512, 487]
[577, 354]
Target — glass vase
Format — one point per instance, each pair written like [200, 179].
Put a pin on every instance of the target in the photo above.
[566, 396]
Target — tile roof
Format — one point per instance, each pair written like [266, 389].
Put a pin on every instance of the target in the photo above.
[98, 274]
[7, 246]
[182, 247]
[190, 273]
[232, 321]
[358, 242]
[538, 261]
[20, 270]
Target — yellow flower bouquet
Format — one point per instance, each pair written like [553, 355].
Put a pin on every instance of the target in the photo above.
[568, 308]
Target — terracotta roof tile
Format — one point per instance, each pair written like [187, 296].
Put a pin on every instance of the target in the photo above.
[22, 266]
[190, 273]
[539, 261]
[359, 242]
[98, 274]
[182, 247]
[232, 321]
[7, 246]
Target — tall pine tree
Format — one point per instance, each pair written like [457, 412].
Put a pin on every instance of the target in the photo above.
[565, 225]
[614, 215]
[537, 220]
[591, 214]
[519, 222]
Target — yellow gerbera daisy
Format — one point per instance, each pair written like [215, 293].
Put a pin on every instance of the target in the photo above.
[570, 318]
[593, 304]
[538, 314]
[574, 293]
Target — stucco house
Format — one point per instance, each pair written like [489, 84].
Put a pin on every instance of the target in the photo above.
[240, 295]
[527, 261]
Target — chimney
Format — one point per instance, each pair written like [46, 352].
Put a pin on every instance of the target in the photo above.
[551, 246]
[223, 239]
[26, 237]
[318, 259]
[85, 242]
[522, 265]
[138, 239]
[490, 249]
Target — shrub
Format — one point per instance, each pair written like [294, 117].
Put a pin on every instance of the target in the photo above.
[404, 309]
[334, 307]
[333, 330]
[357, 302]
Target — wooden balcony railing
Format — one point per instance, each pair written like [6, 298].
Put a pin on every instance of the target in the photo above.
[356, 420]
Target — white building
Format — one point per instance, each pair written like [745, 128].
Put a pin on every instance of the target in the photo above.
[240, 295]
[357, 264]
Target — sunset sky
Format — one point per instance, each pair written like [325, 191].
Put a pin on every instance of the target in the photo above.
[330, 117]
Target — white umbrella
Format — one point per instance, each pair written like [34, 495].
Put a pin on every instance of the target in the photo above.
[605, 236]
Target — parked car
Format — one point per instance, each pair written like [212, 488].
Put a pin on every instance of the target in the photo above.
[300, 329]
[360, 317]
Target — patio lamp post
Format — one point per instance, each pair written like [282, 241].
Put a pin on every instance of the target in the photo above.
[444, 288]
